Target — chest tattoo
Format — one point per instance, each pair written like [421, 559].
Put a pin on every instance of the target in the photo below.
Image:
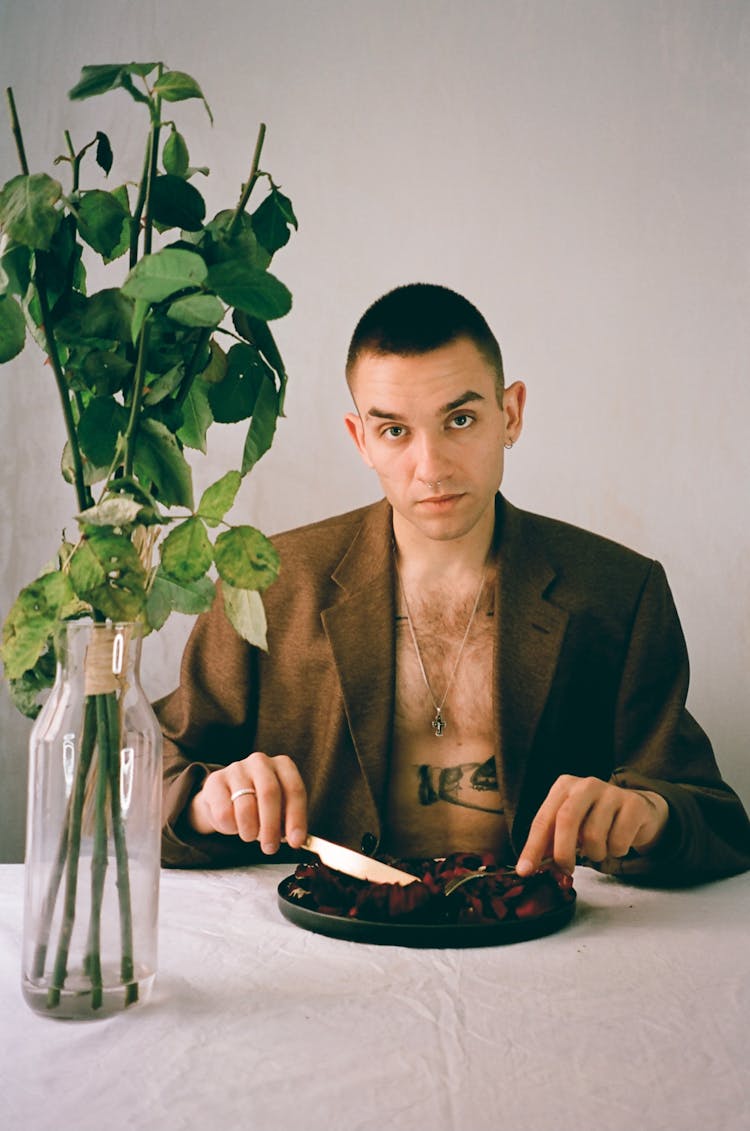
[472, 785]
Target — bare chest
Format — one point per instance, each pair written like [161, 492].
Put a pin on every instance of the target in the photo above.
[443, 790]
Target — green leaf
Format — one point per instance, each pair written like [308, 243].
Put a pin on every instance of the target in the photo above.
[186, 552]
[91, 473]
[242, 246]
[31, 621]
[27, 209]
[105, 373]
[197, 417]
[15, 269]
[259, 334]
[103, 152]
[245, 558]
[101, 423]
[12, 328]
[102, 221]
[197, 310]
[121, 193]
[219, 498]
[160, 464]
[160, 385]
[25, 691]
[141, 308]
[216, 368]
[257, 292]
[118, 511]
[108, 76]
[273, 219]
[107, 316]
[156, 277]
[175, 203]
[246, 614]
[176, 86]
[168, 596]
[105, 571]
[175, 155]
[262, 426]
[234, 397]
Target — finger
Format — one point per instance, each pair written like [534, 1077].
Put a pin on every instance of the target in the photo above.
[603, 820]
[214, 800]
[268, 802]
[245, 808]
[294, 799]
[540, 840]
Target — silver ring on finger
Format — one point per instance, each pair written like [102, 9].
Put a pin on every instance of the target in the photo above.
[247, 791]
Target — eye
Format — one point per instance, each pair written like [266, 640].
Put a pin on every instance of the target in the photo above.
[462, 420]
[393, 431]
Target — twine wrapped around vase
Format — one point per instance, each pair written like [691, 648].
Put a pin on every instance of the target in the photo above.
[104, 662]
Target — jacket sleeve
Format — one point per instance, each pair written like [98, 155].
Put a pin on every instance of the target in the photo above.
[660, 747]
[208, 722]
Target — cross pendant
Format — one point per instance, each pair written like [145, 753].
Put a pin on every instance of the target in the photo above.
[438, 724]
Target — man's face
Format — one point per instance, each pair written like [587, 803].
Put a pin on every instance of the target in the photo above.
[431, 427]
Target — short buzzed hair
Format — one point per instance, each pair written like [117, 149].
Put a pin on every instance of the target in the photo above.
[420, 317]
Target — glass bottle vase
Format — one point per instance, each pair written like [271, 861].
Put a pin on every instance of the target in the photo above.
[93, 831]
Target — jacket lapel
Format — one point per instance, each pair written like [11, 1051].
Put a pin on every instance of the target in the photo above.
[360, 630]
[531, 635]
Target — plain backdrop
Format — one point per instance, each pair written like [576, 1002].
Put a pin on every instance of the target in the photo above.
[578, 168]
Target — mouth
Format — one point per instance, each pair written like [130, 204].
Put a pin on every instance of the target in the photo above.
[440, 501]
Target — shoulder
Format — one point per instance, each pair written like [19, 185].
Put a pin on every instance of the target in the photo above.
[587, 567]
[327, 540]
[565, 542]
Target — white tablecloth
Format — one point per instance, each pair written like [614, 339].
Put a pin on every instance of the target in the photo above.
[635, 1017]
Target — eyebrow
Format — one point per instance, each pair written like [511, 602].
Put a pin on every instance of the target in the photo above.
[451, 406]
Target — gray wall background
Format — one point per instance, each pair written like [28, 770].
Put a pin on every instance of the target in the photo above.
[578, 168]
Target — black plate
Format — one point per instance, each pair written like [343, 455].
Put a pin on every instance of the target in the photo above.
[422, 934]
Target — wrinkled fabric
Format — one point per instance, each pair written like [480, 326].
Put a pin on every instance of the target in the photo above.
[633, 1016]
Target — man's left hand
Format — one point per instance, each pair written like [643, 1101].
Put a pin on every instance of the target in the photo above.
[592, 818]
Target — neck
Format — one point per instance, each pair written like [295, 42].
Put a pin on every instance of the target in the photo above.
[424, 559]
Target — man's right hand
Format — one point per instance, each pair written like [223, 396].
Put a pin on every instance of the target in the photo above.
[274, 806]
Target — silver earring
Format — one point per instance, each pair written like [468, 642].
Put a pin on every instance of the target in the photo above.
[508, 445]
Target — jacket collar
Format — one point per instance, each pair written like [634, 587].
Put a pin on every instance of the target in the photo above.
[532, 630]
[360, 629]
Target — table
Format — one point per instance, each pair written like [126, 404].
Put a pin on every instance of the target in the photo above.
[635, 1016]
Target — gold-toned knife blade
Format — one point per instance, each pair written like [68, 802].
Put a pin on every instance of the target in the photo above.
[356, 864]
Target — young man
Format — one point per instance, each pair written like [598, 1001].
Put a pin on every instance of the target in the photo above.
[444, 671]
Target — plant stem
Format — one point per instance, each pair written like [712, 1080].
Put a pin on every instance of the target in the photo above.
[16, 128]
[83, 494]
[135, 226]
[151, 174]
[127, 964]
[75, 161]
[139, 378]
[88, 739]
[60, 968]
[250, 183]
[192, 371]
[92, 962]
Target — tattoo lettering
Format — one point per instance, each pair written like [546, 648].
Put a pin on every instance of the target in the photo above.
[463, 785]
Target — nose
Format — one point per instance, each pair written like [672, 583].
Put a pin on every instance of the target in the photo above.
[432, 466]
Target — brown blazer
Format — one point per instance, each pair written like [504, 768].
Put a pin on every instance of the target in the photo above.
[591, 679]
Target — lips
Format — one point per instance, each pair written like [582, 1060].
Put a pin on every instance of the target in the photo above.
[440, 500]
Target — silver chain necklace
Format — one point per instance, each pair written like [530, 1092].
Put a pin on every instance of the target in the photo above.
[438, 723]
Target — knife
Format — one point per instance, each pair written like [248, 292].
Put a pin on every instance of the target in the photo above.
[353, 863]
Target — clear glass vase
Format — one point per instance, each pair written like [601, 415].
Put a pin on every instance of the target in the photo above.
[93, 832]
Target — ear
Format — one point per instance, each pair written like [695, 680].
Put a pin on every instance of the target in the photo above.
[514, 400]
[356, 430]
